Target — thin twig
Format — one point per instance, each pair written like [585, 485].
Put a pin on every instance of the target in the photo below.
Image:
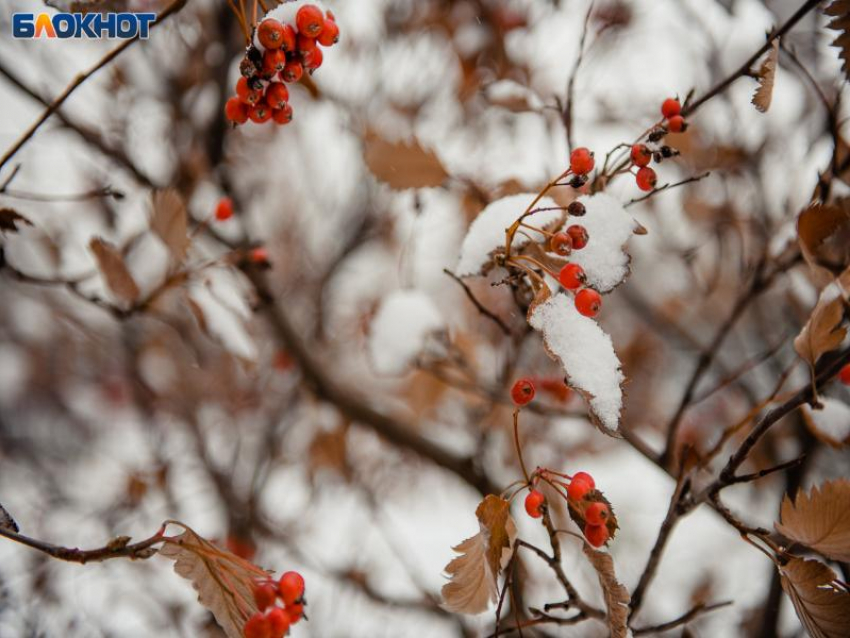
[119, 547]
[484, 311]
[684, 619]
[665, 187]
[567, 114]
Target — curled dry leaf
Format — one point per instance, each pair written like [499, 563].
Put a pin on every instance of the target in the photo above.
[473, 575]
[11, 219]
[222, 579]
[111, 265]
[824, 234]
[169, 222]
[839, 10]
[823, 331]
[615, 593]
[767, 75]
[403, 165]
[822, 607]
[6, 520]
[820, 520]
[587, 356]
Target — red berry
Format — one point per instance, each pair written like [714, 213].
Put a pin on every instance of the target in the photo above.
[278, 621]
[295, 612]
[572, 276]
[258, 626]
[844, 375]
[588, 302]
[264, 595]
[236, 110]
[224, 210]
[283, 115]
[584, 476]
[270, 33]
[312, 60]
[581, 161]
[561, 244]
[277, 95]
[246, 93]
[259, 256]
[578, 489]
[292, 72]
[260, 113]
[646, 178]
[310, 20]
[522, 392]
[596, 514]
[291, 587]
[557, 388]
[289, 37]
[303, 44]
[578, 234]
[533, 502]
[641, 155]
[676, 124]
[670, 107]
[330, 33]
[596, 535]
[274, 60]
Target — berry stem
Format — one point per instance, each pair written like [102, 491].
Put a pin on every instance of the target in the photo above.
[510, 232]
[519, 447]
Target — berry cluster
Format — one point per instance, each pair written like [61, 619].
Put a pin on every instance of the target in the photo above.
[279, 54]
[272, 621]
[587, 506]
[641, 154]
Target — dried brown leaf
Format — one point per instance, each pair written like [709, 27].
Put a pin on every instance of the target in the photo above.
[823, 331]
[824, 234]
[821, 606]
[6, 520]
[170, 223]
[10, 220]
[767, 76]
[820, 520]
[403, 165]
[615, 593]
[222, 579]
[839, 10]
[473, 575]
[114, 270]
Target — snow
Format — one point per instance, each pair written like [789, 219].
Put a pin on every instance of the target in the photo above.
[587, 354]
[832, 423]
[487, 232]
[401, 330]
[223, 320]
[286, 13]
[609, 227]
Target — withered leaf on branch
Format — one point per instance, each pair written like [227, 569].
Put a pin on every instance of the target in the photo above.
[822, 607]
[820, 520]
[474, 574]
[767, 76]
[6, 520]
[824, 234]
[114, 270]
[10, 220]
[403, 165]
[615, 593]
[222, 579]
[839, 10]
[169, 222]
[823, 331]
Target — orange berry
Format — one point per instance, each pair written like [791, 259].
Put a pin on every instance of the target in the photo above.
[561, 244]
[522, 391]
[236, 110]
[224, 210]
[581, 161]
[278, 622]
[578, 489]
[533, 503]
[283, 115]
[596, 535]
[646, 178]
[641, 155]
[292, 72]
[277, 95]
[295, 611]
[844, 375]
[258, 626]
[264, 595]
[312, 60]
[291, 587]
[670, 107]
[310, 20]
[270, 33]
[246, 93]
[588, 302]
[330, 33]
[676, 124]
[303, 44]
[274, 60]
[596, 514]
[260, 113]
[584, 476]
[572, 276]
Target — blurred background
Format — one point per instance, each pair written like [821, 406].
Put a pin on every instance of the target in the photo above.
[292, 425]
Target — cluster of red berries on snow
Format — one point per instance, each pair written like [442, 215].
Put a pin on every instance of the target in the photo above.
[273, 621]
[587, 507]
[280, 53]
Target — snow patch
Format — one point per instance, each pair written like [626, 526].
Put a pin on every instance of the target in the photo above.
[832, 423]
[402, 329]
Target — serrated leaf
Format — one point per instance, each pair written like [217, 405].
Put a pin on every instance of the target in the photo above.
[823, 331]
[403, 165]
[615, 593]
[840, 12]
[767, 76]
[223, 580]
[474, 574]
[587, 356]
[820, 520]
[824, 234]
[10, 220]
[821, 606]
[169, 222]
[114, 270]
[6, 520]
